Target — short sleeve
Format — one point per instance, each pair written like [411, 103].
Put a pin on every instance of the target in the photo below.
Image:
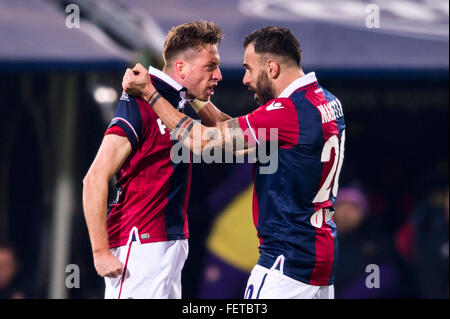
[116, 131]
[128, 118]
[276, 120]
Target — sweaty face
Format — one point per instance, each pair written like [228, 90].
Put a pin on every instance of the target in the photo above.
[256, 78]
[202, 72]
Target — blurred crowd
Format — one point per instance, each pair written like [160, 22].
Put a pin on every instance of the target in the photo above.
[411, 254]
[412, 261]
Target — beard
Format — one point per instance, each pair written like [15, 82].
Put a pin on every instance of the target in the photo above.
[264, 90]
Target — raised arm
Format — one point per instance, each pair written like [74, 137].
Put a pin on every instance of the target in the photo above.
[226, 134]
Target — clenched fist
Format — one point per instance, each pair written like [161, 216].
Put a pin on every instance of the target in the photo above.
[136, 82]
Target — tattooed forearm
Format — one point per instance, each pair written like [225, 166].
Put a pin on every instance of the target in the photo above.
[183, 128]
[233, 123]
[153, 98]
[182, 121]
[234, 137]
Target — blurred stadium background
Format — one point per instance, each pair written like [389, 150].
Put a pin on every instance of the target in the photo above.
[60, 86]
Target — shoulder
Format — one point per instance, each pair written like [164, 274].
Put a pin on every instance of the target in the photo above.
[276, 105]
[280, 114]
[128, 111]
[133, 108]
[131, 101]
[132, 117]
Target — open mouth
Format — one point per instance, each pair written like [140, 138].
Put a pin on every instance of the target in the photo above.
[211, 89]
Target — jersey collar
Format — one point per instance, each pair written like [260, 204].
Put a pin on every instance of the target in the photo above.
[170, 81]
[300, 82]
[166, 78]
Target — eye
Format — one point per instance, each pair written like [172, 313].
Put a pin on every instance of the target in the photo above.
[211, 67]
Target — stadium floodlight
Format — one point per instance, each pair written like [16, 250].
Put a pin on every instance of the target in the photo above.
[105, 95]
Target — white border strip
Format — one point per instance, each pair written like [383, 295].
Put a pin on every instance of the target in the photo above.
[301, 81]
[251, 130]
[166, 78]
[279, 260]
[134, 231]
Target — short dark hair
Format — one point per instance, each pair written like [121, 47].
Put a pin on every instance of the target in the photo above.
[191, 35]
[275, 40]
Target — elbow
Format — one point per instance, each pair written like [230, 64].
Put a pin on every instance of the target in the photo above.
[94, 185]
[89, 182]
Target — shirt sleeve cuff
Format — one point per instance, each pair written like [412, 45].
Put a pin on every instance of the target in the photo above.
[249, 132]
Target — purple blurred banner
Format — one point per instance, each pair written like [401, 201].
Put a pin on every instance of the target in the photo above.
[335, 35]
[36, 32]
[412, 34]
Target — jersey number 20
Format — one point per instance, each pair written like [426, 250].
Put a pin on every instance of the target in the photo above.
[331, 183]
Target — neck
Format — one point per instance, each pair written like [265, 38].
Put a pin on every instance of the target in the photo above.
[287, 78]
[171, 72]
[174, 75]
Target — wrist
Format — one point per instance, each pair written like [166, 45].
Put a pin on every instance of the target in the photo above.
[147, 93]
[100, 251]
[198, 105]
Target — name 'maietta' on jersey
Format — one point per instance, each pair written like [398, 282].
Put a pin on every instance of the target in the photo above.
[293, 207]
[152, 191]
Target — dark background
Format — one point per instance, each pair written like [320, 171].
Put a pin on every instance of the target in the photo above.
[396, 146]
[394, 91]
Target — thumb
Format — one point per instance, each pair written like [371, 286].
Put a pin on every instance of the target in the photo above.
[128, 73]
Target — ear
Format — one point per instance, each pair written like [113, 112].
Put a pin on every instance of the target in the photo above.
[273, 69]
[180, 68]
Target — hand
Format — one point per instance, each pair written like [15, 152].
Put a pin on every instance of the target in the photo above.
[136, 82]
[107, 265]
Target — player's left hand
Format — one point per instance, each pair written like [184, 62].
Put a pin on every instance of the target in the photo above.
[136, 82]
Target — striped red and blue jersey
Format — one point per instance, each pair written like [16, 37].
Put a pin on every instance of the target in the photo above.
[293, 207]
[152, 191]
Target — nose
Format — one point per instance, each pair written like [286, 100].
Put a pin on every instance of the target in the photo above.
[217, 76]
[246, 79]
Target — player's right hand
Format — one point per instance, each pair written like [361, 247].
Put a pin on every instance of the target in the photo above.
[136, 82]
[107, 265]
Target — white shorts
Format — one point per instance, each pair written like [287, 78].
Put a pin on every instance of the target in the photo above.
[152, 270]
[267, 283]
